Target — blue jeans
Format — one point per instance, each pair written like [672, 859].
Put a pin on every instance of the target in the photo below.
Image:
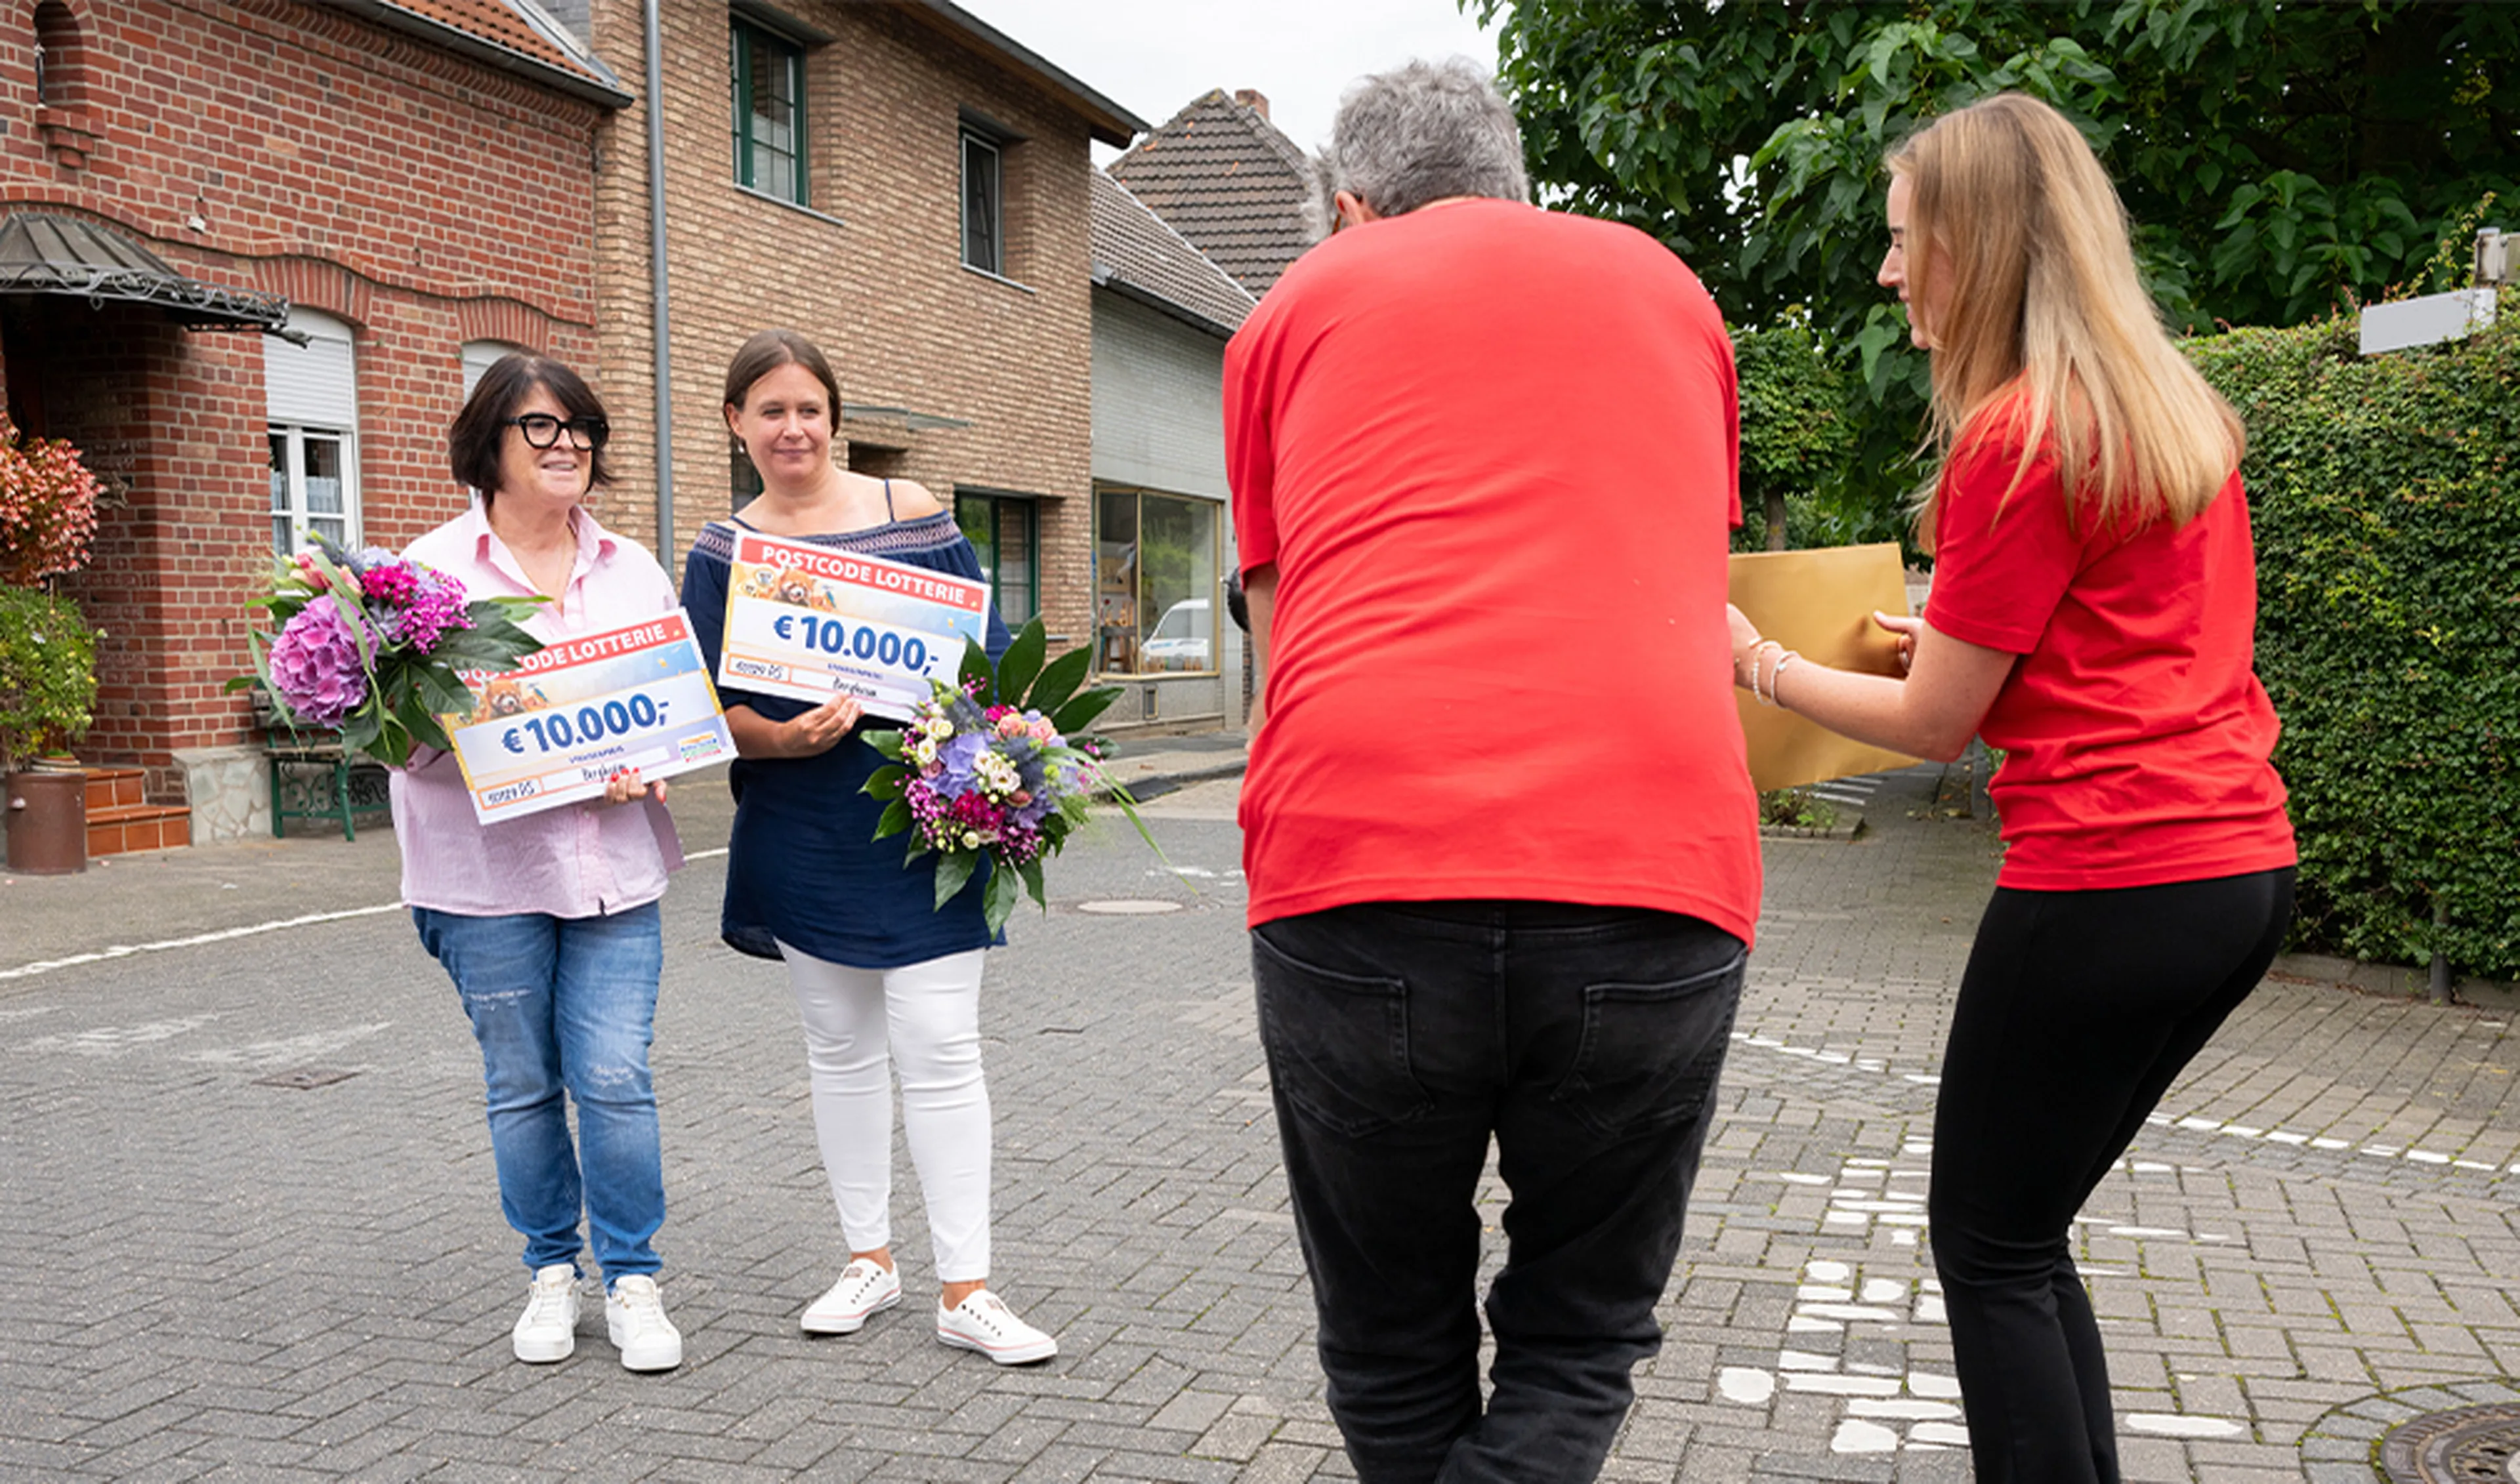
[566, 1004]
[1401, 1037]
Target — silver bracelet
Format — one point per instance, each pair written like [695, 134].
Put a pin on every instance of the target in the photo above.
[1777, 674]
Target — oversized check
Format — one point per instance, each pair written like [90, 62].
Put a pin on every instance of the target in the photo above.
[810, 622]
[574, 713]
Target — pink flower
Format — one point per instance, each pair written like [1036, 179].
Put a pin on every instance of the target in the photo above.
[315, 665]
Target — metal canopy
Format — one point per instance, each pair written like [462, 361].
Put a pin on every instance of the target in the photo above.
[44, 253]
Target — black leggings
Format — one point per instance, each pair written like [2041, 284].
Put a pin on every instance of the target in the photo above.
[2077, 1011]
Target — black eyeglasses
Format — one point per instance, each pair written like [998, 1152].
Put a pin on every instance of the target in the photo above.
[542, 431]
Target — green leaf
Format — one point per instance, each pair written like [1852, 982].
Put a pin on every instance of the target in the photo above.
[953, 873]
[888, 744]
[1022, 662]
[977, 669]
[1059, 681]
[998, 900]
[1079, 713]
[896, 819]
[884, 782]
[1032, 881]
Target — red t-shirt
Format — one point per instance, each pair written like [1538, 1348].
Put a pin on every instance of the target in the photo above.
[1492, 453]
[2137, 737]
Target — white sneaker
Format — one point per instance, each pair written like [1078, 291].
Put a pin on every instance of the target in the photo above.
[634, 1312]
[983, 1323]
[866, 1287]
[547, 1330]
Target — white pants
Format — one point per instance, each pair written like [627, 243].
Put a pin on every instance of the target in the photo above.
[923, 1018]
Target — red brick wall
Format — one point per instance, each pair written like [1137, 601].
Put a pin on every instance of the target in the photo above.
[292, 149]
[874, 275]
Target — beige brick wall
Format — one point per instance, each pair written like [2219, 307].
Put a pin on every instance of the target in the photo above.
[873, 273]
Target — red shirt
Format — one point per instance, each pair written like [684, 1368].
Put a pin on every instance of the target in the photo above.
[2137, 737]
[1492, 453]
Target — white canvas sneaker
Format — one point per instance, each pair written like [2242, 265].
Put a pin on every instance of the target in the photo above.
[866, 1287]
[547, 1330]
[983, 1323]
[634, 1313]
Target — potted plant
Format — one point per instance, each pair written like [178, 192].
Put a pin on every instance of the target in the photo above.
[47, 650]
[47, 690]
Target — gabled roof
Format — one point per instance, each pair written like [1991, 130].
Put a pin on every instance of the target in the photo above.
[517, 37]
[1135, 254]
[1224, 177]
[1106, 120]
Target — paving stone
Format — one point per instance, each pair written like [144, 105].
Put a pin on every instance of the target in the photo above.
[189, 1227]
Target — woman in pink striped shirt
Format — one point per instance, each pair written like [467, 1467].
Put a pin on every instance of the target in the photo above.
[548, 924]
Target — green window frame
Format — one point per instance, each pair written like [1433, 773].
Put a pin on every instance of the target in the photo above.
[766, 90]
[1006, 532]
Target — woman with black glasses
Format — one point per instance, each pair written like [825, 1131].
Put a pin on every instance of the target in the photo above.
[548, 924]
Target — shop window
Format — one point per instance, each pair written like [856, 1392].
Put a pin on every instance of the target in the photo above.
[769, 86]
[1004, 531]
[311, 400]
[984, 204]
[1155, 596]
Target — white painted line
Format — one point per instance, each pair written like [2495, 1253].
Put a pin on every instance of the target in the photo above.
[126, 950]
[227, 934]
[2163, 1424]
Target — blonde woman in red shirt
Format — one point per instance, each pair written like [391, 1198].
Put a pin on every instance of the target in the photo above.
[2092, 614]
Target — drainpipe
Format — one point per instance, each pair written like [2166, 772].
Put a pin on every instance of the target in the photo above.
[660, 318]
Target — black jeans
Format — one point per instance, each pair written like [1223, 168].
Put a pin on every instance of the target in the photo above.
[2077, 1009]
[1400, 1036]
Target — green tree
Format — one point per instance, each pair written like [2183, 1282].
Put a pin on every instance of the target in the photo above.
[1796, 441]
[2277, 156]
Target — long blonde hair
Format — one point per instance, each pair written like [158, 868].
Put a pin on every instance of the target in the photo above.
[2044, 325]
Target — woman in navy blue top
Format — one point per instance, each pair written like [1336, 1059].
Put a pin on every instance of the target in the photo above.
[883, 978]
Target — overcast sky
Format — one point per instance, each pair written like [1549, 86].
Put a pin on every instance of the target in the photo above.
[1152, 56]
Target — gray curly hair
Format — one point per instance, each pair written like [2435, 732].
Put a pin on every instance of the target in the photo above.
[1423, 132]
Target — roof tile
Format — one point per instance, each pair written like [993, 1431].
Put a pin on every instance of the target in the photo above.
[1224, 177]
[1137, 248]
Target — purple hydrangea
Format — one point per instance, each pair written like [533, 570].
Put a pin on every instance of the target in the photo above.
[315, 664]
[959, 759]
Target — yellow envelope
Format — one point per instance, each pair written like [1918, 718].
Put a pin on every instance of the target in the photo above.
[1818, 603]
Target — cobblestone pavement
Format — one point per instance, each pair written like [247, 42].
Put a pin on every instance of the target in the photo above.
[210, 1271]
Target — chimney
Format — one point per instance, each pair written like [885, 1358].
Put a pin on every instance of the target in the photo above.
[1253, 99]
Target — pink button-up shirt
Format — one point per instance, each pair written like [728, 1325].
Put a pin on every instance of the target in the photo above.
[576, 861]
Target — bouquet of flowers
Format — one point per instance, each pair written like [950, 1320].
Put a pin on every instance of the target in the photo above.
[371, 647]
[987, 771]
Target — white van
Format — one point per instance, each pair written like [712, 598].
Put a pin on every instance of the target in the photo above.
[1184, 639]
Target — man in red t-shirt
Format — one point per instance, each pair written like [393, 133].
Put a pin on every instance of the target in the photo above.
[1499, 828]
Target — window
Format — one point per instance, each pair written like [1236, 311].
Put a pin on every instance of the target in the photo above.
[310, 489]
[1004, 533]
[311, 399]
[1155, 596]
[769, 74]
[984, 243]
[479, 356]
[744, 481]
[56, 53]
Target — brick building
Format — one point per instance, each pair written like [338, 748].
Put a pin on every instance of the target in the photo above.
[407, 187]
[909, 188]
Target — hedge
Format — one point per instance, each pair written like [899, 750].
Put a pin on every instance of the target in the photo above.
[2386, 499]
